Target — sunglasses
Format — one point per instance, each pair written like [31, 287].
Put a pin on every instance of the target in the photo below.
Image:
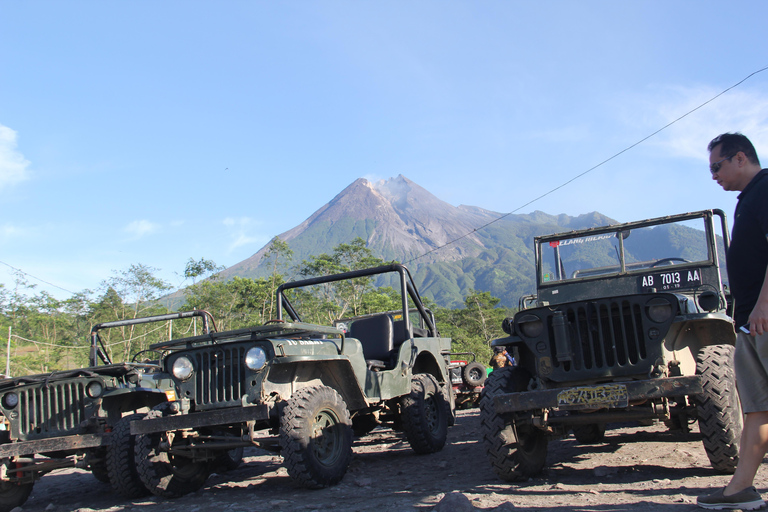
[715, 167]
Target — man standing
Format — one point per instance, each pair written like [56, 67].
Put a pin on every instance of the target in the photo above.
[734, 165]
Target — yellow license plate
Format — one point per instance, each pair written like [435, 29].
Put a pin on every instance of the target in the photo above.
[606, 395]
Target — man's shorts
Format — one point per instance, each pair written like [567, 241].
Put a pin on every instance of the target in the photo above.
[750, 362]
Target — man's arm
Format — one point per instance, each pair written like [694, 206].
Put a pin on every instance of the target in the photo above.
[758, 318]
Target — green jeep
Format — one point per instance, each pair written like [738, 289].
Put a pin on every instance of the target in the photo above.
[299, 388]
[630, 323]
[79, 418]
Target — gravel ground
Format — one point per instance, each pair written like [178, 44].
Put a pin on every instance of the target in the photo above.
[636, 468]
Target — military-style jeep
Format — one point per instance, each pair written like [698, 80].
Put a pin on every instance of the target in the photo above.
[299, 388]
[630, 322]
[467, 378]
[79, 418]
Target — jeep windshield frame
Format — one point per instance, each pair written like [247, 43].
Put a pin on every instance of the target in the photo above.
[620, 260]
[99, 351]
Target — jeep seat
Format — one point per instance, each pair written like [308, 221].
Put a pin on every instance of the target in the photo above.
[376, 335]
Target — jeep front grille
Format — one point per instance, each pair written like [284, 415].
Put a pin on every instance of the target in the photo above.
[220, 376]
[56, 408]
[607, 334]
[607, 337]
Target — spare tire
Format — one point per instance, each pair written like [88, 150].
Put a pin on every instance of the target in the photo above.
[474, 374]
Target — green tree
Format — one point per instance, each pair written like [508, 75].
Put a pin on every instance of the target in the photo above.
[131, 293]
[474, 326]
[200, 268]
[331, 301]
[281, 255]
[237, 303]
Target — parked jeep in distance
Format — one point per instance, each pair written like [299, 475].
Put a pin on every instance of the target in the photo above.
[299, 388]
[79, 418]
[467, 378]
[630, 322]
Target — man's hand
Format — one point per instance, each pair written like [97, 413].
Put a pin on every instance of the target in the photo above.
[758, 319]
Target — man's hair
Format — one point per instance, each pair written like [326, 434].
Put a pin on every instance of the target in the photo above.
[732, 143]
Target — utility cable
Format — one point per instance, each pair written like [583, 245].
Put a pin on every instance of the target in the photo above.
[37, 278]
[591, 168]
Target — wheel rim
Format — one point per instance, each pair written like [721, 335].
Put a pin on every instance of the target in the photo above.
[327, 438]
[431, 414]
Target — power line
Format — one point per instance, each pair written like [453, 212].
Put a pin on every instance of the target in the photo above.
[591, 168]
[36, 278]
[551, 191]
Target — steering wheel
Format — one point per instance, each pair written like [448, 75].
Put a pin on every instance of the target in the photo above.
[664, 261]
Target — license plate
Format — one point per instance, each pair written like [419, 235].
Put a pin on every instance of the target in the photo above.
[588, 397]
[670, 280]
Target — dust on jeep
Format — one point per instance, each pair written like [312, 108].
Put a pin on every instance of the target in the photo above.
[79, 418]
[630, 322]
[300, 388]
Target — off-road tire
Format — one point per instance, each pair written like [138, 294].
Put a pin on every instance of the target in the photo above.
[511, 459]
[426, 414]
[362, 424]
[99, 468]
[718, 409]
[164, 474]
[120, 463]
[228, 461]
[589, 434]
[474, 374]
[316, 437]
[13, 495]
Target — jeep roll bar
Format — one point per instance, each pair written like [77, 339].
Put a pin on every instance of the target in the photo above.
[97, 346]
[407, 288]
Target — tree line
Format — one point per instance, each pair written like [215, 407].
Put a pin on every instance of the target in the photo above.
[46, 334]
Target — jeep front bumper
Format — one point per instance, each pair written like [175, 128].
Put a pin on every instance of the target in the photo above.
[600, 396]
[219, 417]
[63, 443]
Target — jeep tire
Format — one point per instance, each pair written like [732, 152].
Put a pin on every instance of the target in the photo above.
[12, 494]
[589, 434]
[516, 452]
[120, 463]
[99, 468]
[426, 414]
[718, 408]
[229, 460]
[316, 437]
[164, 474]
[474, 374]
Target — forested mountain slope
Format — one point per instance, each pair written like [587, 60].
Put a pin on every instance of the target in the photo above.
[399, 220]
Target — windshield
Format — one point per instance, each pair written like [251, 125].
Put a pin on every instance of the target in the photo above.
[623, 250]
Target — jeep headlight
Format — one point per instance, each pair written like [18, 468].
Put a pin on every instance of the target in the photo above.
[182, 368]
[255, 358]
[530, 326]
[659, 310]
[94, 389]
[10, 400]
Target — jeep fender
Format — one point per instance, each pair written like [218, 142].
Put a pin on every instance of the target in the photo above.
[291, 373]
[700, 330]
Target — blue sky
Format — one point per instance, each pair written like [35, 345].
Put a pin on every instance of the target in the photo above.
[154, 132]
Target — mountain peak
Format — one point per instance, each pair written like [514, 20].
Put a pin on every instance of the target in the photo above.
[399, 220]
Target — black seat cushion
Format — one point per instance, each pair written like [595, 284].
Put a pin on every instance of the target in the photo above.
[375, 335]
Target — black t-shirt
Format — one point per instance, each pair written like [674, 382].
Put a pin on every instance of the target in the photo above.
[747, 258]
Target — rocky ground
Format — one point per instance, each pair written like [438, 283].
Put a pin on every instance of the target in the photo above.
[636, 468]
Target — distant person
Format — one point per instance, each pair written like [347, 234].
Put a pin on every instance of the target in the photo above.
[734, 165]
[501, 358]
